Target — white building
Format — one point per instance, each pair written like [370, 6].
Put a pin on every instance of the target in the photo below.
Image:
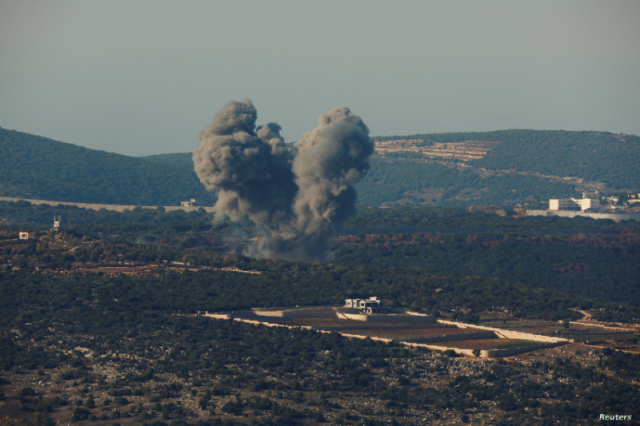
[189, 203]
[589, 201]
[372, 305]
[24, 235]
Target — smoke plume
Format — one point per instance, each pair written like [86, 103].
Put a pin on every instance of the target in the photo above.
[296, 202]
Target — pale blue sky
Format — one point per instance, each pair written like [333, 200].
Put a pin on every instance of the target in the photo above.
[144, 77]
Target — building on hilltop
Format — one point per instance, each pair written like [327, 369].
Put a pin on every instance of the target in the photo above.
[588, 206]
[589, 201]
[372, 305]
[189, 203]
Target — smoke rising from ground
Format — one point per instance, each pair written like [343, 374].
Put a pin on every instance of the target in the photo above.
[296, 202]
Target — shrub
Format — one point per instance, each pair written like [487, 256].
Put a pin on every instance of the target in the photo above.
[80, 414]
[27, 392]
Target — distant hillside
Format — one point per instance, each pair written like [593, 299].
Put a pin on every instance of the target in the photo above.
[502, 167]
[37, 167]
[411, 182]
[613, 159]
[441, 169]
[180, 160]
[402, 182]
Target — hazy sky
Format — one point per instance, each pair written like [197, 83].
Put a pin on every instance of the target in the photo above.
[144, 77]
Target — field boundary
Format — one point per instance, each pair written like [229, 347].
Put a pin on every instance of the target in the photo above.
[454, 337]
[507, 334]
[112, 207]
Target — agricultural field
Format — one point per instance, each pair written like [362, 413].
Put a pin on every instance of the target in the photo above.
[465, 151]
[339, 322]
[550, 328]
[409, 334]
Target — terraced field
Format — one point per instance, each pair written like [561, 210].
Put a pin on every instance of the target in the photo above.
[337, 322]
[465, 151]
[409, 334]
[579, 332]
[437, 334]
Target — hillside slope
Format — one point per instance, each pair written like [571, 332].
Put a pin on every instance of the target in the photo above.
[503, 167]
[412, 182]
[37, 167]
[182, 160]
[612, 159]
[448, 169]
[407, 182]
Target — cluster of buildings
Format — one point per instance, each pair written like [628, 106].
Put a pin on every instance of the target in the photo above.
[589, 206]
[589, 201]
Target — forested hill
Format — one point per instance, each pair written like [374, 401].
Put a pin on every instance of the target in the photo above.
[37, 167]
[182, 160]
[513, 167]
[613, 159]
[506, 167]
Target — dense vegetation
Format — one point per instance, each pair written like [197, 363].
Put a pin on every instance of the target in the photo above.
[391, 180]
[279, 284]
[37, 167]
[23, 213]
[601, 265]
[605, 266]
[183, 160]
[458, 217]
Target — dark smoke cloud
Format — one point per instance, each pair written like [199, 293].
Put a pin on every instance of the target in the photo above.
[297, 203]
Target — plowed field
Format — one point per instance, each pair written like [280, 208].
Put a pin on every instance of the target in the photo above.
[336, 322]
[406, 334]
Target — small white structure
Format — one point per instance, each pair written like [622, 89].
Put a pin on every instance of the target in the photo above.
[372, 305]
[351, 303]
[589, 201]
[189, 203]
[24, 235]
[56, 223]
